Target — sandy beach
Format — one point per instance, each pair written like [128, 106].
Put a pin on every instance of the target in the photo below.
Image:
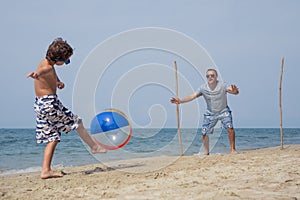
[268, 173]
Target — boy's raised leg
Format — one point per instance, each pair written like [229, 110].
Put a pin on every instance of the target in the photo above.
[84, 135]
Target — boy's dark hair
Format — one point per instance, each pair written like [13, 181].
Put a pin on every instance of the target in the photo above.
[59, 50]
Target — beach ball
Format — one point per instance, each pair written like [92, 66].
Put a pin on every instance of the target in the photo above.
[111, 128]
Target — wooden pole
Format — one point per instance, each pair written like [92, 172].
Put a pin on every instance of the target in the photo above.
[280, 102]
[177, 109]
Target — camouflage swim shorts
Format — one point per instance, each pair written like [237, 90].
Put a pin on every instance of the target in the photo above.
[52, 118]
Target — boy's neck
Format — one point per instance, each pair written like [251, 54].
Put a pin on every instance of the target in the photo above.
[52, 63]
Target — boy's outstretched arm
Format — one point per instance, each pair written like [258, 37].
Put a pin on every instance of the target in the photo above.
[40, 72]
[32, 75]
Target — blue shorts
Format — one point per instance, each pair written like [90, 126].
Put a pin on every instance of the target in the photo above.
[210, 120]
[52, 118]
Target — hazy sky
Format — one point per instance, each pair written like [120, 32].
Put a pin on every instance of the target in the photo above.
[246, 40]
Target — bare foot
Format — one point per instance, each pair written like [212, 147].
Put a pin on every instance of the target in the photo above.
[51, 174]
[98, 148]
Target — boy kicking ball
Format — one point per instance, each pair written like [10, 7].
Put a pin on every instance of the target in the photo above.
[52, 117]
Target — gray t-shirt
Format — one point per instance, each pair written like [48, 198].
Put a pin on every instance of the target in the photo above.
[216, 99]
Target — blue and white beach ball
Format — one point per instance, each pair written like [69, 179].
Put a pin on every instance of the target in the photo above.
[111, 128]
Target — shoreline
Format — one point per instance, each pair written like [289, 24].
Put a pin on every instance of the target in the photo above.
[268, 173]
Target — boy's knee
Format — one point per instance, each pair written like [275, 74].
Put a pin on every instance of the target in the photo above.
[80, 124]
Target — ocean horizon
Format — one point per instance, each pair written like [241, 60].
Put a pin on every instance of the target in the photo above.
[20, 153]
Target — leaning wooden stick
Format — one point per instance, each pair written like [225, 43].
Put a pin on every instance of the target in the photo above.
[280, 102]
[177, 109]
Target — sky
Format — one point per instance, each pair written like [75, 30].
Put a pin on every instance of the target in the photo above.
[245, 39]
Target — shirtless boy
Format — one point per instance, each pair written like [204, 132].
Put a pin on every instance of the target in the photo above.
[52, 117]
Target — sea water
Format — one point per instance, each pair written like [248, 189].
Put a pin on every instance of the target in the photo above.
[19, 151]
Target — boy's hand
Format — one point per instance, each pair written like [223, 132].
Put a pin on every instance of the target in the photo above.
[32, 75]
[60, 85]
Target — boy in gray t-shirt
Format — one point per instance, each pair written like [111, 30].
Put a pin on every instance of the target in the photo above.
[215, 95]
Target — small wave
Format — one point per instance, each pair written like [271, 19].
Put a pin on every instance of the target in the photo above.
[20, 171]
